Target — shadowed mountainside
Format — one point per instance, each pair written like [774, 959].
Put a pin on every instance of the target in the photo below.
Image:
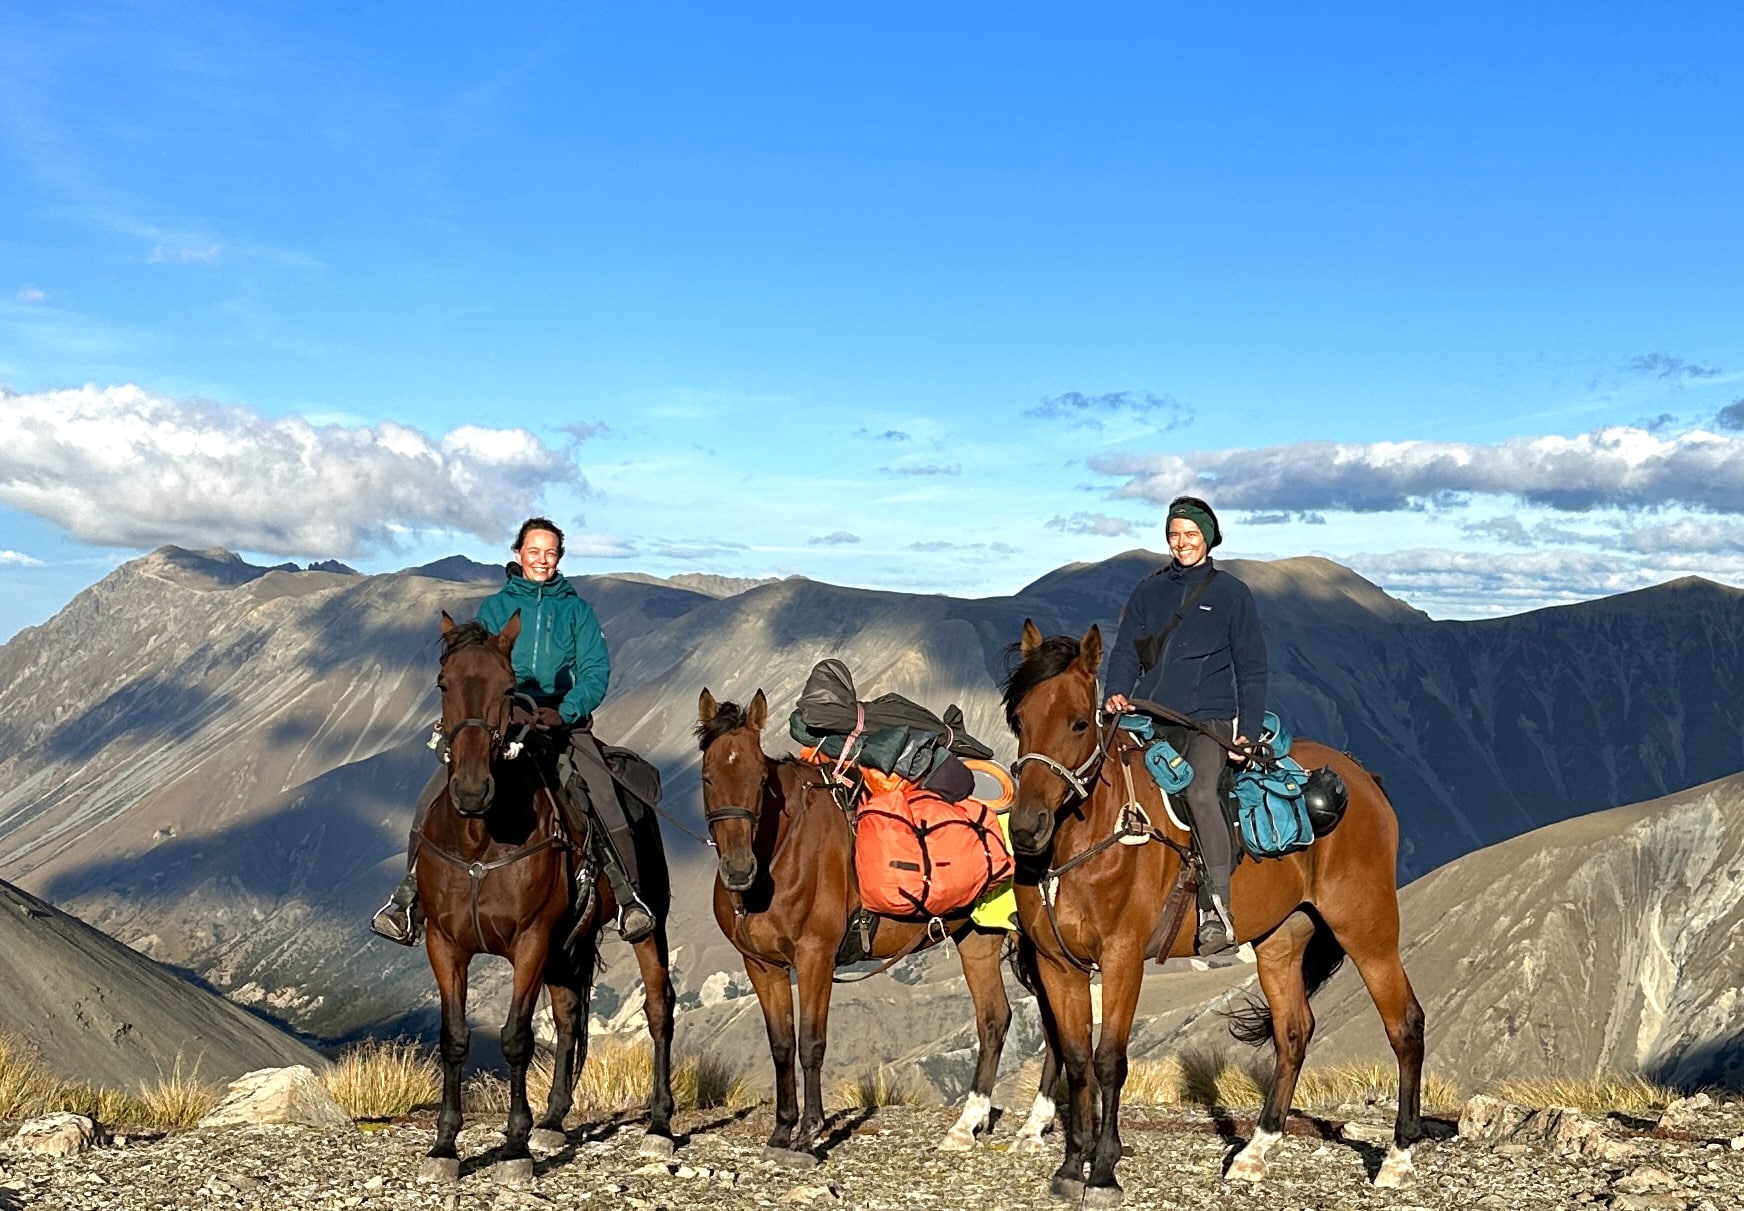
[215, 761]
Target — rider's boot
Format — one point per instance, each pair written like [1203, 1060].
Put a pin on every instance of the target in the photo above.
[1216, 928]
[399, 918]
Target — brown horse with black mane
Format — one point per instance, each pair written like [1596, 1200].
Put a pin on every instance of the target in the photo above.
[1101, 903]
[784, 893]
[495, 867]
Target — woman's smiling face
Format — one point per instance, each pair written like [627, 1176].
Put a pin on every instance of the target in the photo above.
[1187, 543]
[538, 554]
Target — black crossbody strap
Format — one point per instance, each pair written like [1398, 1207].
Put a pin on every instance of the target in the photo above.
[1150, 647]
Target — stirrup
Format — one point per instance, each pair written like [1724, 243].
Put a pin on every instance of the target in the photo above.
[635, 921]
[395, 922]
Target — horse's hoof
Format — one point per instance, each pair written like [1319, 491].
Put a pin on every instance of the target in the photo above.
[657, 1145]
[1027, 1144]
[443, 1170]
[1103, 1196]
[1397, 1170]
[1246, 1169]
[957, 1141]
[1066, 1189]
[787, 1158]
[516, 1174]
[547, 1140]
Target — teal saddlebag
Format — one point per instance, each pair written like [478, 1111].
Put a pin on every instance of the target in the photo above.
[1270, 809]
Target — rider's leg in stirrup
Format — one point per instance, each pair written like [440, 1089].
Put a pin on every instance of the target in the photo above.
[592, 791]
[398, 920]
[1212, 841]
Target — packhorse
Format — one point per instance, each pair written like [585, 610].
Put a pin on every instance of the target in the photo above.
[495, 871]
[784, 895]
[1088, 902]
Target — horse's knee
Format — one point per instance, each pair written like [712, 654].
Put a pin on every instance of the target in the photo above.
[1110, 1068]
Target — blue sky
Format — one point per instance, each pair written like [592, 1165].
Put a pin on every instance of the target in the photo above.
[912, 296]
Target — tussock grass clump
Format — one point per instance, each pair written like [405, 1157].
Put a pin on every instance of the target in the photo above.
[173, 1103]
[1208, 1078]
[875, 1087]
[177, 1102]
[382, 1078]
[1590, 1095]
[617, 1077]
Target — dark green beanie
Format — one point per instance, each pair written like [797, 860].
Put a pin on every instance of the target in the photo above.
[1200, 514]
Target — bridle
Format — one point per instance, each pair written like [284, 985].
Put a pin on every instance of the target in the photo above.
[1081, 777]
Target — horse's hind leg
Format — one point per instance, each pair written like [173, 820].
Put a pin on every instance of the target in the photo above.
[1041, 1112]
[567, 981]
[979, 951]
[1280, 958]
[1384, 976]
[660, 1003]
[449, 963]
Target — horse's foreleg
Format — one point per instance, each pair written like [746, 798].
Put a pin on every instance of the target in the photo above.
[1281, 981]
[1068, 1001]
[817, 969]
[659, 1003]
[1122, 980]
[449, 963]
[775, 997]
[979, 952]
[515, 1163]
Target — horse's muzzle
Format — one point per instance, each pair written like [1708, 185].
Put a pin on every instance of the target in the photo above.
[472, 801]
[738, 876]
[1031, 834]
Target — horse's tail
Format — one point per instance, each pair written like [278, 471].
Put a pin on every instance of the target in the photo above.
[1252, 1024]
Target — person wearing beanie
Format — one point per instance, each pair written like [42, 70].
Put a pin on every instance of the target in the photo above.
[1190, 640]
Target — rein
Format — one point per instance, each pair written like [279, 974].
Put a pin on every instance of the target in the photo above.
[1132, 827]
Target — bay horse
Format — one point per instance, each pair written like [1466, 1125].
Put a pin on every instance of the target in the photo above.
[1100, 904]
[784, 895]
[495, 867]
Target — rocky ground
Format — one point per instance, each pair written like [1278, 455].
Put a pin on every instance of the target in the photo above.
[888, 1158]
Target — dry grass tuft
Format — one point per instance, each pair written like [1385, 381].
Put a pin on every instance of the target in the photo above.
[1592, 1095]
[177, 1102]
[25, 1089]
[1208, 1078]
[876, 1087]
[617, 1077]
[382, 1079]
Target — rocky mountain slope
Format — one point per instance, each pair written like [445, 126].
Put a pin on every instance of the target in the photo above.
[96, 1011]
[214, 761]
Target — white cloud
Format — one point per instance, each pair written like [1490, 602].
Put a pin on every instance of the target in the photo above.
[185, 254]
[1621, 467]
[1100, 524]
[31, 294]
[18, 559]
[121, 467]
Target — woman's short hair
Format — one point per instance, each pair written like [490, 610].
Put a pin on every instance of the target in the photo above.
[538, 523]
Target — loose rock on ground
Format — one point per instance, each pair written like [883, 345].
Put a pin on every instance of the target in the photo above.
[887, 1159]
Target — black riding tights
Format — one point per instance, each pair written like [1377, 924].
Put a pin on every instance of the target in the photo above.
[1207, 757]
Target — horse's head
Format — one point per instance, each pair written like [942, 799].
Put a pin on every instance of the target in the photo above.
[476, 680]
[734, 777]
[1050, 705]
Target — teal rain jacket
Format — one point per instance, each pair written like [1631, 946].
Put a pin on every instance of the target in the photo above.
[560, 656]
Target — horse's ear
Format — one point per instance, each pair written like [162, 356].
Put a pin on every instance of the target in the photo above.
[706, 706]
[757, 714]
[511, 631]
[1090, 649]
[447, 622]
[1032, 638]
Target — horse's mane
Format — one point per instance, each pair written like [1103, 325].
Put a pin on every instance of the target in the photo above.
[466, 635]
[727, 716]
[1049, 660]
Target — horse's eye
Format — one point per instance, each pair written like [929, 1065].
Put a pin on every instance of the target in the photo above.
[441, 687]
[1080, 725]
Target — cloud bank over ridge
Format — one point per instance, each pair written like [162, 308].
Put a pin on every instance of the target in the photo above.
[122, 467]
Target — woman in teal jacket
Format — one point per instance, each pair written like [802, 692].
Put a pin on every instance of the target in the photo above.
[561, 664]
